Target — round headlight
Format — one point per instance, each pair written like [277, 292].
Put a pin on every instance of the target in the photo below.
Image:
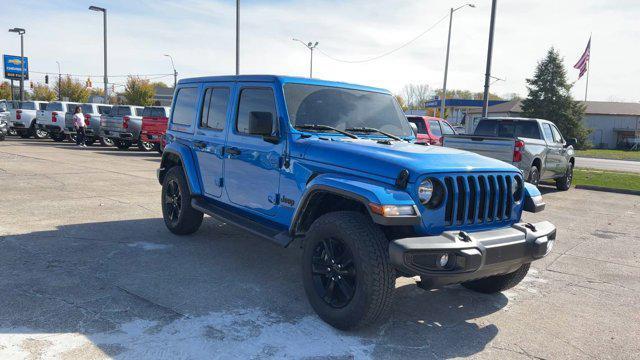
[425, 191]
[516, 189]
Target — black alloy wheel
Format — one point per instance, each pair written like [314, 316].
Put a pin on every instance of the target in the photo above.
[334, 272]
[173, 201]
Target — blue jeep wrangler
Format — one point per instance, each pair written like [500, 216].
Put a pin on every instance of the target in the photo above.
[334, 166]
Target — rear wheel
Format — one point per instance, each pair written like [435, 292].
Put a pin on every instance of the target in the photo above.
[179, 217]
[40, 134]
[13, 132]
[345, 270]
[534, 175]
[145, 146]
[497, 283]
[122, 145]
[106, 141]
[564, 183]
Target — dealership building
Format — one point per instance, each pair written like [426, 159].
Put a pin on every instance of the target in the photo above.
[612, 124]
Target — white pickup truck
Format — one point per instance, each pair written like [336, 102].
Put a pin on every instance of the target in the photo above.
[22, 119]
[534, 146]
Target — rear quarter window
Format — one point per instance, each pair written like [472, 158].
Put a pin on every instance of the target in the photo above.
[528, 129]
[185, 108]
[104, 110]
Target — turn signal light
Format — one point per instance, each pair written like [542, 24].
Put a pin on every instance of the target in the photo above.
[517, 151]
[392, 210]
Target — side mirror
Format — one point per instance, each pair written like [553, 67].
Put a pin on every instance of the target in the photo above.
[414, 127]
[572, 142]
[261, 123]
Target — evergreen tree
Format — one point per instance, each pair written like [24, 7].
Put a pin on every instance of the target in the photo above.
[550, 98]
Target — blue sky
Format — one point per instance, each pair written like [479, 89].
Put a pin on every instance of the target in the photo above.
[199, 35]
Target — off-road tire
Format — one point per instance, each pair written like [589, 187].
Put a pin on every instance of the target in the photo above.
[145, 146]
[374, 279]
[497, 283]
[564, 183]
[188, 219]
[106, 141]
[122, 145]
[534, 176]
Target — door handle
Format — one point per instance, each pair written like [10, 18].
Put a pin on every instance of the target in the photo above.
[232, 151]
[200, 144]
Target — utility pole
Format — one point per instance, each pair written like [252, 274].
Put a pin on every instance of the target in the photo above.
[175, 73]
[59, 81]
[237, 37]
[21, 32]
[311, 46]
[487, 75]
[104, 21]
[446, 63]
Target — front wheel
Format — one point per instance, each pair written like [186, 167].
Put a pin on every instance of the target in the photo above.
[564, 183]
[534, 176]
[145, 146]
[104, 141]
[346, 272]
[179, 217]
[497, 283]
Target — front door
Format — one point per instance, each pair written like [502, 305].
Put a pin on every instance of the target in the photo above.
[553, 153]
[252, 165]
[210, 136]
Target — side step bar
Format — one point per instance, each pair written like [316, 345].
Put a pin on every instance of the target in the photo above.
[280, 237]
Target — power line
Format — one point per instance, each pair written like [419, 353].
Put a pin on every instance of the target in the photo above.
[388, 52]
[100, 76]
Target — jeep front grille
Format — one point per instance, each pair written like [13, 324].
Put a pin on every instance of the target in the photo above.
[478, 199]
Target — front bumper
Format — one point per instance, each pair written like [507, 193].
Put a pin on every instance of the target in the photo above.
[472, 255]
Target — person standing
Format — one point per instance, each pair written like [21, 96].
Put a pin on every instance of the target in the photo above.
[78, 124]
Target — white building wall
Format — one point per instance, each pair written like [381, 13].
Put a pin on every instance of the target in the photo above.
[603, 128]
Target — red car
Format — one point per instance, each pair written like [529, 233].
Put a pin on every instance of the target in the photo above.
[431, 129]
[154, 125]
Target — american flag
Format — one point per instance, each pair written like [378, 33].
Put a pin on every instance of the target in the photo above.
[584, 60]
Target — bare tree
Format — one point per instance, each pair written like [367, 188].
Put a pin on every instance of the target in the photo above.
[416, 95]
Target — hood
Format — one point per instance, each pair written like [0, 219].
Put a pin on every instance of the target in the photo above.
[388, 159]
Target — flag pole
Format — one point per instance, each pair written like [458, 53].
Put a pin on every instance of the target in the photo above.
[586, 88]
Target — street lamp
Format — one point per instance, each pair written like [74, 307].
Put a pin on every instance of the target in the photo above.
[446, 64]
[104, 18]
[20, 32]
[237, 37]
[311, 46]
[175, 73]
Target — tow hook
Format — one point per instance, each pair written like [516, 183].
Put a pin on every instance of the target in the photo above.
[464, 236]
[531, 227]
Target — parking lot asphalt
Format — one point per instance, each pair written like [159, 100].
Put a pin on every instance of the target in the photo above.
[89, 271]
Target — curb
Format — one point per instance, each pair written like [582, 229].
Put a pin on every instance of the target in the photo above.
[606, 189]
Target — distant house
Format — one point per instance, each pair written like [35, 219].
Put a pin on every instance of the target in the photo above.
[164, 96]
[612, 124]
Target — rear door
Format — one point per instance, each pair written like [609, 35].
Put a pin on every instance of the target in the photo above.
[209, 139]
[252, 165]
[183, 115]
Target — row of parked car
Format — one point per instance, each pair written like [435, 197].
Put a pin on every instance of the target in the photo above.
[122, 126]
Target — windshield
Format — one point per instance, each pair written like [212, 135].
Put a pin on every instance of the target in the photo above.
[344, 109]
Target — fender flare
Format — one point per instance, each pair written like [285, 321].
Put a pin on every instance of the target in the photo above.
[361, 190]
[532, 198]
[187, 161]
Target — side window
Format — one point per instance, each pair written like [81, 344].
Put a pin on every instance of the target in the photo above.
[528, 129]
[185, 110]
[447, 129]
[256, 112]
[548, 134]
[422, 128]
[214, 108]
[434, 126]
[556, 135]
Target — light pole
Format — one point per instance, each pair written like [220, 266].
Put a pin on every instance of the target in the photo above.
[21, 32]
[175, 73]
[311, 46]
[237, 37]
[104, 20]
[446, 63]
[59, 81]
[487, 75]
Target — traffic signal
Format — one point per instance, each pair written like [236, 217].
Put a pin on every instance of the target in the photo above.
[46, 79]
[31, 85]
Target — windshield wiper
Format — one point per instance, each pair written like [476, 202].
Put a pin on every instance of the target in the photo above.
[324, 127]
[374, 130]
